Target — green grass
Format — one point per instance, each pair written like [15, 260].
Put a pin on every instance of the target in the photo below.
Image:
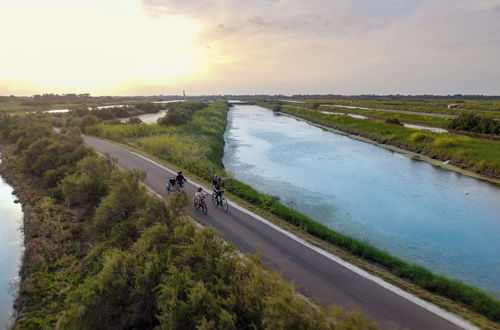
[484, 107]
[179, 146]
[196, 146]
[403, 117]
[12, 106]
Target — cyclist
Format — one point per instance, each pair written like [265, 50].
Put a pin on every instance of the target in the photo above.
[180, 179]
[216, 184]
[199, 194]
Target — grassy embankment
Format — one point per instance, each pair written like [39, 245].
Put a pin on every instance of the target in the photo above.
[474, 154]
[383, 115]
[197, 147]
[464, 124]
[29, 104]
[489, 108]
[122, 258]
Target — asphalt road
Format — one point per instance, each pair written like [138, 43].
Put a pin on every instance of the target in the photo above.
[317, 274]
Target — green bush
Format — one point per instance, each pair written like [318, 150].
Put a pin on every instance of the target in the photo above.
[89, 120]
[119, 204]
[180, 113]
[134, 120]
[475, 123]
[89, 183]
[393, 121]
[420, 137]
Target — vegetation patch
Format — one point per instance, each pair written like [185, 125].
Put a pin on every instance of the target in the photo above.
[475, 123]
[486, 106]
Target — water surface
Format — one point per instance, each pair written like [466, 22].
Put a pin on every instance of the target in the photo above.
[411, 209]
[11, 242]
[149, 118]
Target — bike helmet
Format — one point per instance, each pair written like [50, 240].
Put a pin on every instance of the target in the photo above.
[200, 189]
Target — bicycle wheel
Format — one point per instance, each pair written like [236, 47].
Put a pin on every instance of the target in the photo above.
[224, 204]
[195, 203]
[204, 208]
[214, 199]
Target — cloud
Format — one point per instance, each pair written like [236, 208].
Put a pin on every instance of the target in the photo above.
[316, 17]
[259, 46]
[349, 46]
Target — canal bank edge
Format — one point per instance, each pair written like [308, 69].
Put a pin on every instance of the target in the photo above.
[24, 197]
[19, 198]
[413, 155]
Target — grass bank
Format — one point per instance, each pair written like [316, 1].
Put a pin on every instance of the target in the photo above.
[177, 146]
[403, 117]
[101, 252]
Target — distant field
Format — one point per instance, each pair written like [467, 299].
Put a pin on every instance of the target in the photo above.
[403, 117]
[490, 108]
[16, 105]
[12, 106]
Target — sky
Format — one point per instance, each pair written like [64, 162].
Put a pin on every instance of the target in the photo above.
[163, 47]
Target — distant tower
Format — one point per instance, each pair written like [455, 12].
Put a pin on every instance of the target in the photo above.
[184, 93]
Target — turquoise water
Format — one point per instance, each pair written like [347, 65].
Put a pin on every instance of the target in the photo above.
[149, 118]
[11, 242]
[409, 208]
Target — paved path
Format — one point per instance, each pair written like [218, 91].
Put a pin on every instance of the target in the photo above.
[317, 274]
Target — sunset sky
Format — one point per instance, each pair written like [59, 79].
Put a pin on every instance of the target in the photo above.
[151, 47]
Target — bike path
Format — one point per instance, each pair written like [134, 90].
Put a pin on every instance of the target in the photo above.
[316, 273]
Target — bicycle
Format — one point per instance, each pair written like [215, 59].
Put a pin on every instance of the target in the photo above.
[171, 185]
[222, 201]
[199, 203]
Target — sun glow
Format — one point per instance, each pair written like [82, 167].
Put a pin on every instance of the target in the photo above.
[96, 47]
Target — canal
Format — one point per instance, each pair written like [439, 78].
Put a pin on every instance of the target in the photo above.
[11, 249]
[442, 220]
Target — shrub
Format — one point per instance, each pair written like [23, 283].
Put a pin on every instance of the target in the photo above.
[475, 123]
[88, 120]
[89, 183]
[420, 137]
[180, 113]
[126, 196]
[393, 121]
[134, 120]
[444, 142]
